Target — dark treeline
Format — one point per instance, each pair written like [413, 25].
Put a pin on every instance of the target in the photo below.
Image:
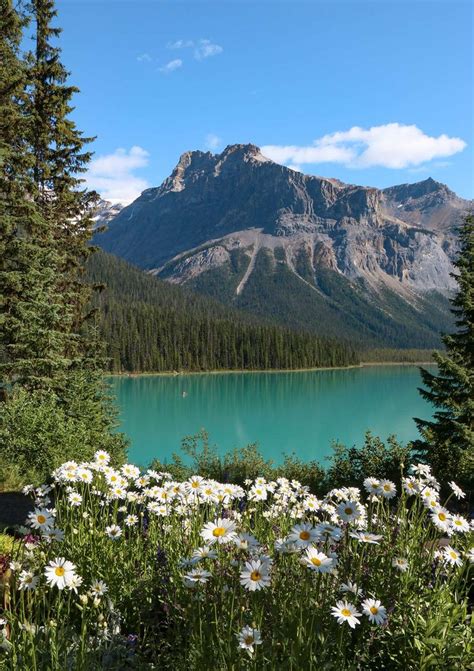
[150, 325]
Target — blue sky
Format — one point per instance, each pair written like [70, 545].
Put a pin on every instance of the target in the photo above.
[374, 93]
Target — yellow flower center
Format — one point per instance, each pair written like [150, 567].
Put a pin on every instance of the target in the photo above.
[458, 523]
[59, 571]
[387, 488]
[41, 519]
[248, 640]
[374, 610]
[453, 555]
[255, 576]
[316, 561]
[194, 485]
[346, 612]
[304, 535]
[218, 531]
[442, 517]
[348, 511]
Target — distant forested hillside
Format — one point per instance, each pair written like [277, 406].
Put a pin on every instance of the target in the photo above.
[151, 325]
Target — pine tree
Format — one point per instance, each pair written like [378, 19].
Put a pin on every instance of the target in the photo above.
[448, 439]
[59, 161]
[30, 343]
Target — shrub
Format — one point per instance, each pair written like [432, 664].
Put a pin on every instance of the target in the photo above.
[39, 431]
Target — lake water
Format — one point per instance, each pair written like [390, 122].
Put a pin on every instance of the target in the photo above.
[299, 412]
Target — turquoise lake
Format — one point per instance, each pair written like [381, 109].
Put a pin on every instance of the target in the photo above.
[299, 412]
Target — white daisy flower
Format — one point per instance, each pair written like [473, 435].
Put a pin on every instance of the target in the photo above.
[317, 561]
[204, 552]
[74, 582]
[248, 638]
[457, 491]
[411, 486]
[99, 588]
[75, 499]
[258, 493]
[303, 535]
[459, 524]
[421, 469]
[102, 457]
[113, 531]
[400, 563]
[194, 484]
[220, 531]
[41, 519]
[349, 511]
[366, 537]
[441, 519]
[452, 556]
[130, 471]
[84, 475]
[372, 486]
[197, 575]
[27, 581]
[346, 612]
[255, 575]
[388, 489]
[374, 610]
[131, 520]
[59, 572]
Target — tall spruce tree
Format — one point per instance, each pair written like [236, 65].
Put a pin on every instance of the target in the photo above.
[448, 439]
[58, 404]
[30, 339]
[59, 161]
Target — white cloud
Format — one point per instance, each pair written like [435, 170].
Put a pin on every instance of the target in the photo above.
[144, 58]
[391, 145]
[180, 44]
[205, 49]
[213, 141]
[112, 175]
[171, 66]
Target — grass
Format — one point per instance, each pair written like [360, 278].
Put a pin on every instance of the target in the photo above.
[141, 593]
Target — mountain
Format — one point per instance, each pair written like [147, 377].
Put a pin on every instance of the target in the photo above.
[308, 252]
[105, 211]
[151, 325]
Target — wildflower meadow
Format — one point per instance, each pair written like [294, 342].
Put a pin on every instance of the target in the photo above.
[118, 569]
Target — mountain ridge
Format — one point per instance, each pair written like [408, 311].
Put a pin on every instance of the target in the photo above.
[221, 220]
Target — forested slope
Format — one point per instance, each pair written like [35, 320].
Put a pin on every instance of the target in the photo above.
[151, 325]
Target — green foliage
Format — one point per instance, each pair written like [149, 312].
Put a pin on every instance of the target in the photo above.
[350, 465]
[448, 439]
[388, 355]
[39, 430]
[236, 466]
[6, 544]
[347, 467]
[150, 325]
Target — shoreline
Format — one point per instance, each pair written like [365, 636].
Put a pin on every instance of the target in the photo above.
[363, 364]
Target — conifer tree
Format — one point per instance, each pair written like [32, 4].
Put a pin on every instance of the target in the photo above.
[59, 161]
[448, 439]
[30, 347]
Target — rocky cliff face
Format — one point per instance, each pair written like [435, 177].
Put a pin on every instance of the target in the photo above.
[218, 218]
